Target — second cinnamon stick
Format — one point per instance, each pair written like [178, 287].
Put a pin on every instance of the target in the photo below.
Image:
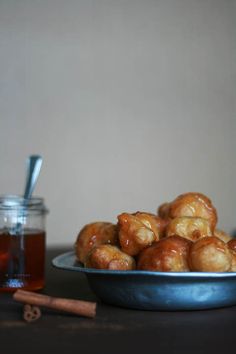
[78, 307]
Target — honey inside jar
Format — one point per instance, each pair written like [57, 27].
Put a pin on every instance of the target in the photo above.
[22, 270]
[22, 244]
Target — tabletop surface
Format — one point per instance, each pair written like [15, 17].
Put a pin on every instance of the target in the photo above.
[114, 329]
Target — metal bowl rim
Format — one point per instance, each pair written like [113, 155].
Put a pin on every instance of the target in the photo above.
[59, 262]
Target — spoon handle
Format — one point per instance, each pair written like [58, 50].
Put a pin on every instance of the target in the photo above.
[34, 163]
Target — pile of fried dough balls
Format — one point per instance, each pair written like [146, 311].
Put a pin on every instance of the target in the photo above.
[182, 237]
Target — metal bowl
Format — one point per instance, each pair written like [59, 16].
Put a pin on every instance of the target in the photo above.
[147, 290]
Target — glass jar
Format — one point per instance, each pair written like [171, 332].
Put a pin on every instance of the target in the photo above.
[22, 243]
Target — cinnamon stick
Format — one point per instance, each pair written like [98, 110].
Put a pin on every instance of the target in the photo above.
[31, 313]
[78, 307]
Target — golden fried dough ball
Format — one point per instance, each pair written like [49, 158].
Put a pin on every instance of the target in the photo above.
[92, 235]
[161, 226]
[167, 255]
[189, 227]
[195, 205]
[232, 248]
[209, 254]
[137, 231]
[222, 235]
[232, 244]
[109, 257]
[163, 210]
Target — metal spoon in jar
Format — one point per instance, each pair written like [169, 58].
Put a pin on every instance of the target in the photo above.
[34, 163]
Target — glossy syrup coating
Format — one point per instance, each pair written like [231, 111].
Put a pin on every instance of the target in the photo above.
[138, 231]
[190, 204]
[92, 235]
[232, 248]
[189, 227]
[210, 254]
[109, 257]
[167, 255]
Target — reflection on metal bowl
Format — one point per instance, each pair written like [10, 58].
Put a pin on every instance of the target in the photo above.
[146, 290]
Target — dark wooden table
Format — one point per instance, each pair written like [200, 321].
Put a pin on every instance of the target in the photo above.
[114, 330]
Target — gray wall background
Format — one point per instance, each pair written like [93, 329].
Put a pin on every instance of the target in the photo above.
[130, 103]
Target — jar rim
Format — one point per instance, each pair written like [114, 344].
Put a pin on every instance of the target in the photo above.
[11, 202]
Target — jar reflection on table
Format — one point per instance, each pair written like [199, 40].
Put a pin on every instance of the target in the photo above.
[22, 243]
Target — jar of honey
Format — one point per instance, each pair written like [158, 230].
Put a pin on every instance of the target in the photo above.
[22, 243]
